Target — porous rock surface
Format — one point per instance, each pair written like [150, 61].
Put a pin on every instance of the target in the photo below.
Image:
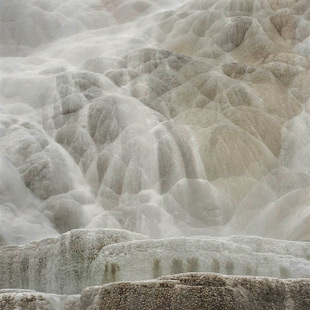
[200, 291]
[57, 265]
[192, 118]
[31, 300]
[189, 291]
[83, 258]
[237, 255]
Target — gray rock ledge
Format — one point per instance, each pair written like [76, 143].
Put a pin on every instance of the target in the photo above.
[188, 291]
[200, 291]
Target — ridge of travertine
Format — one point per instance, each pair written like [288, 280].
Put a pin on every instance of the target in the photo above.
[31, 300]
[57, 265]
[189, 291]
[191, 119]
[82, 258]
[203, 291]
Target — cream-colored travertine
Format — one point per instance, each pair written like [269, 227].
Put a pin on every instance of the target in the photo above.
[168, 118]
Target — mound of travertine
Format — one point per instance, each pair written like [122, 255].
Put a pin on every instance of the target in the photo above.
[190, 291]
[82, 258]
[197, 122]
[31, 300]
[194, 291]
[57, 265]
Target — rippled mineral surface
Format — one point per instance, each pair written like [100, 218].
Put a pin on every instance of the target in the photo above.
[146, 138]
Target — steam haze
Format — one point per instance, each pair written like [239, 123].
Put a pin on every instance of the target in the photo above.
[166, 118]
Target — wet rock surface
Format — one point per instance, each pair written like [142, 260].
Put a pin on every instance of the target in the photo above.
[173, 119]
[192, 118]
[82, 258]
[57, 265]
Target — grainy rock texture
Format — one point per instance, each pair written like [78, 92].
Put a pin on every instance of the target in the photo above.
[237, 255]
[32, 300]
[57, 265]
[200, 291]
[83, 258]
[172, 119]
[192, 291]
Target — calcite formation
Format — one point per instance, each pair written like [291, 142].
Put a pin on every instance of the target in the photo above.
[60, 265]
[145, 138]
[83, 258]
[200, 291]
[165, 118]
[32, 300]
[191, 291]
